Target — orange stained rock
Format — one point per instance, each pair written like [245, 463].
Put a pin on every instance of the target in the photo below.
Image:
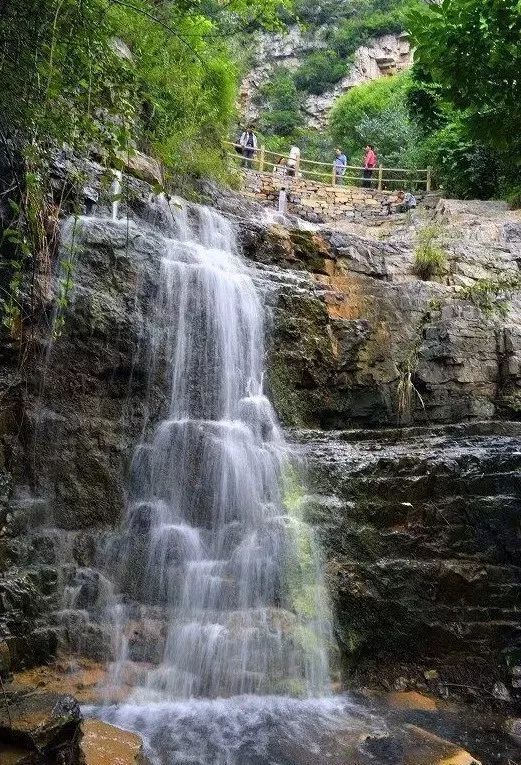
[425, 748]
[12, 755]
[103, 744]
[412, 700]
[355, 302]
[80, 678]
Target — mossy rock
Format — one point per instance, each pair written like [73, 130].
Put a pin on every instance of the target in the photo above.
[311, 250]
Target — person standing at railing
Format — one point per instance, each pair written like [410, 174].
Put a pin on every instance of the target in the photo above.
[293, 161]
[370, 162]
[280, 167]
[340, 166]
[248, 141]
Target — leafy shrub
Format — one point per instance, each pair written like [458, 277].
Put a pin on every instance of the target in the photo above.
[429, 259]
[375, 113]
[323, 12]
[355, 32]
[514, 197]
[394, 134]
[281, 114]
[464, 167]
[320, 70]
[175, 89]
[468, 60]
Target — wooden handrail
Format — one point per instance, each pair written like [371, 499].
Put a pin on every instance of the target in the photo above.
[268, 153]
[303, 167]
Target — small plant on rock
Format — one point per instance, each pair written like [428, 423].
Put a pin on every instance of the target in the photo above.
[493, 296]
[429, 258]
[406, 390]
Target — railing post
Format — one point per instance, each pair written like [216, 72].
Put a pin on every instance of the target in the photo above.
[333, 176]
[261, 158]
[380, 177]
[297, 166]
[428, 183]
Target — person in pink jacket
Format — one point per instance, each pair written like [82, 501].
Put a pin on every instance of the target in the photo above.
[370, 162]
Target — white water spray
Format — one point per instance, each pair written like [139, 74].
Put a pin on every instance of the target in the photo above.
[224, 586]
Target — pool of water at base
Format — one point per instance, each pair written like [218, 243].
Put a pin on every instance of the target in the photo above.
[337, 730]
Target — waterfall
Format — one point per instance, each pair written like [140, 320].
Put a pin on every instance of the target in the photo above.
[225, 590]
[283, 202]
[219, 618]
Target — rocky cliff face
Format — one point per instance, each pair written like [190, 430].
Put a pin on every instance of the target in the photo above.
[420, 526]
[362, 331]
[382, 56]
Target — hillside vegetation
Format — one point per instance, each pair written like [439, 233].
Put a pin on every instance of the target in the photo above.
[458, 110]
[170, 87]
[100, 79]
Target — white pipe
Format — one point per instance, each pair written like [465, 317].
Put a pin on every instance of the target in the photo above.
[116, 192]
[283, 201]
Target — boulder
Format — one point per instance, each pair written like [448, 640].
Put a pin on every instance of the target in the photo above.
[103, 744]
[44, 725]
[143, 167]
[425, 748]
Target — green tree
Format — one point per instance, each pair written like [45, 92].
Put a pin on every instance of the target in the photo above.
[366, 19]
[319, 71]
[393, 132]
[471, 49]
[64, 81]
[322, 12]
[464, 167]
[281, 115]
[101, 77]
[373, 112]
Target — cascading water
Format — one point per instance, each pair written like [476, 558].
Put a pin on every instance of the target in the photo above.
[220, 616]
[205, 496]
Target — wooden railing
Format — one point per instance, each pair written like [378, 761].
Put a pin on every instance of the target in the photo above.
[387, 178]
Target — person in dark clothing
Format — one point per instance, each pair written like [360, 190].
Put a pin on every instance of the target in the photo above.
[248, 141]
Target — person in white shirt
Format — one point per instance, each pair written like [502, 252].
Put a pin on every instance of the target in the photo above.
[340, 166]
[294, 157]
[248, 141]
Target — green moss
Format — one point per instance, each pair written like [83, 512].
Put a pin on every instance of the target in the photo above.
[292, 490]
[291, 687]
[301, 360]
[306, 593]
[288, 405]
[352, 640]
[308, 250]
[511, 403]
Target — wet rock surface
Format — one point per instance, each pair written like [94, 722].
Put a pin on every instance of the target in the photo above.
[358, 339]
[420, 528]
[39, 729]
[103, 744]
